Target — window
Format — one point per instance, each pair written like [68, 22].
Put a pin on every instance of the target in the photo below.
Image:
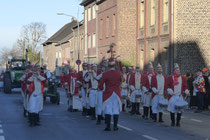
[101, 28]
[85, 44]
[89, 41]
[94, 40]
[141, 15]
[66, 52]
[165, 10]
[89, 14]
[113, 24]
[152, 21]
[72, 56]
[152, 55]
[142, 59]
[107, 27]
[85, 16]
[56, 54]
[60, 54]
[94, 11]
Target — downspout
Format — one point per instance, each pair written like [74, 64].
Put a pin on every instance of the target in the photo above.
[73, 48]
[172, 35]
[97, 34]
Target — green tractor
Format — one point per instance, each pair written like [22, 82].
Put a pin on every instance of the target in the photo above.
[15, 70]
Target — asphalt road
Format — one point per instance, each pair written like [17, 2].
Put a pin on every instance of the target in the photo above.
[59, 124]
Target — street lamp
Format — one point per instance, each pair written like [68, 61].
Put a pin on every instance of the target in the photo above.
[78, 35]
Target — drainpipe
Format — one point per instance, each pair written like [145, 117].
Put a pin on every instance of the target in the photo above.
[97, 34]
[172, 35]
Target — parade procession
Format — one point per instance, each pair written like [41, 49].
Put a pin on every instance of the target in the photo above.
[105, 70]
[102, 91]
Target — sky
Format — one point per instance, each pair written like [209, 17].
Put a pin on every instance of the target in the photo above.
[14, 14]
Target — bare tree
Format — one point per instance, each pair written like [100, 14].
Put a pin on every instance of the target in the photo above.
[5, 52]
[32, 36]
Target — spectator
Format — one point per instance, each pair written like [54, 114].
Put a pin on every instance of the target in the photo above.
[200, 90]
[206, 97]
[190, 80]
[193, 100]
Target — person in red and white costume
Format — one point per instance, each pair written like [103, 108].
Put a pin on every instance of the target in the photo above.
[23, 80]
[124, 88]
[93, 78]
[177, 87]
[100, 93]
[73, 88]
[69, 94]
[136, 92]
[83, 87]
[159, 88]
[111, 96]
[88, 88]
[36, 90]
[147, 91]
[131, 71]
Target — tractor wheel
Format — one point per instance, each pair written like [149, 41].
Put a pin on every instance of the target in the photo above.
[45, 98]
[53, 99]
[58, 99]
[7, 83]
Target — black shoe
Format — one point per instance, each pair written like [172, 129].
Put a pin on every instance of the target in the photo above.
[84, 110]
[36, 120]
[116, 128]
[70, 109]
[123, 107]
[93, 112]
[107, 129]
[172, 124]
[178, 119]
[160, 117]
[138, 113]
[161, 121]
[172, 119]
[198, 111]
[177, 124]
[98, 120]
[107, 121]
[155, 117]
[116, 117]
[31, 119]
[25, 113]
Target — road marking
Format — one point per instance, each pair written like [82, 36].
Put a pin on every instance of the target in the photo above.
[169, 114]
[165, 113]
[196, 120]
[148, 137]
[124, 127]
[1, 131]
[2, 138]
[61, 103]
[46, 114]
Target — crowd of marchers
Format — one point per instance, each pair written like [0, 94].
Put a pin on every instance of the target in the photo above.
[101, 91]
[104, 93]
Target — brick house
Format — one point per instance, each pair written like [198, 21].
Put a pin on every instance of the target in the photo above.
[53, 46]
[89, 53]
[110, 25]
[171, 31]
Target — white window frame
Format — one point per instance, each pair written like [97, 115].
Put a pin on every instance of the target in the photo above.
[89, 13]
[94, 40]
[94, 11]
[89, 41]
